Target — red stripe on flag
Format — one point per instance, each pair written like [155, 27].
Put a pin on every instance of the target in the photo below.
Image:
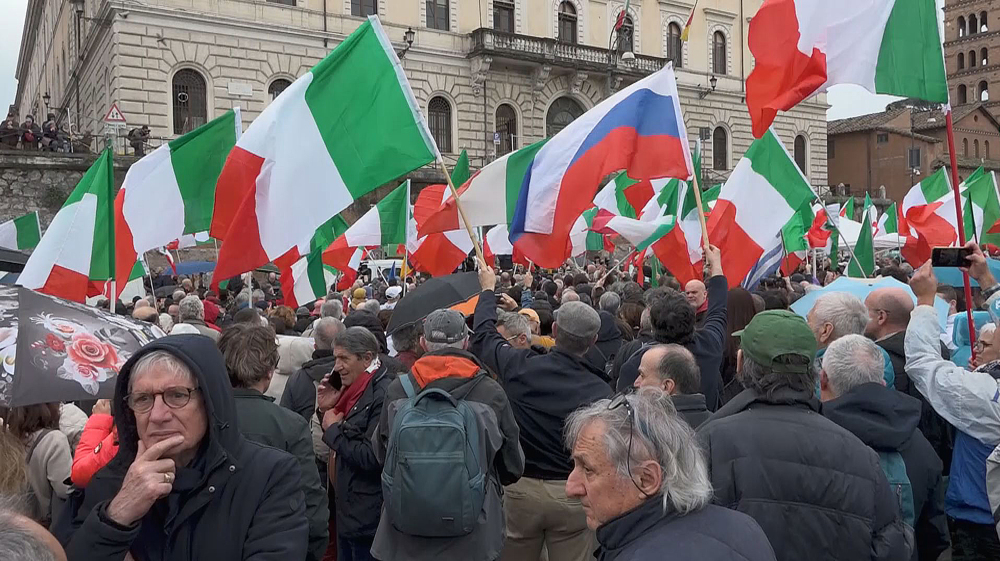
[936, 229]
[818, 235]
[739, 251]
[672, 251]
[639, 194]
[66, 284]
[600, 222]
[125, 255]
[242, 250]
[790, 263]
[437, 256]
[237, 180]
[445, 217]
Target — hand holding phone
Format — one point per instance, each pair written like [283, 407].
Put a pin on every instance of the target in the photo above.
[950, 256]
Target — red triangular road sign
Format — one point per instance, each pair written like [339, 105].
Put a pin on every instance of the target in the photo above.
[114, 115]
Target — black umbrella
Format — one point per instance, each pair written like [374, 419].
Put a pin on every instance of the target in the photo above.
[165, 291]
[435, 294]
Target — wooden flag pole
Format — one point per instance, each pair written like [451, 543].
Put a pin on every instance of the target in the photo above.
[701, 212]
[461, 212]
[961, 226]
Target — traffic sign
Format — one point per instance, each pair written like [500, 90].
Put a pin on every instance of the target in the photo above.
[496, 138]
[114, 116]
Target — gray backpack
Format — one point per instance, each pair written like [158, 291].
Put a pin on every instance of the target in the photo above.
[434, 479]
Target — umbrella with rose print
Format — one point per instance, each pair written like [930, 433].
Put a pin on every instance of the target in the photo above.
[66, 351]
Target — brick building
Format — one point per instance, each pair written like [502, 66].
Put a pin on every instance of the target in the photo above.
[972, 51]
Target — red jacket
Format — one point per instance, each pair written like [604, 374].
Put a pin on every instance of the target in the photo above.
[98, 444]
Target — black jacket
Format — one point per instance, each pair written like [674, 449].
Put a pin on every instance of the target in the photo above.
[264, 422]
[300, 389]
[609, 340]
[543, 390]
[236, 500]
[691, 408]
[713, 533]
[886, 420]
[359, 475]
[939, 433]
[707, 345]
[816, 490]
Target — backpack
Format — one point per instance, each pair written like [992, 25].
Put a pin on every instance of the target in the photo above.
[435, 474]
[895, 471]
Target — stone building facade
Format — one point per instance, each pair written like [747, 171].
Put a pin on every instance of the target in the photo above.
[972, 51]
[492, 75]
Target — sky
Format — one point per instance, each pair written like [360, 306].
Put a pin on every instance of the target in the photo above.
[845, 100]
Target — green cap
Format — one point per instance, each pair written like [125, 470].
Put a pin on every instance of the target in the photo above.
[773, 333]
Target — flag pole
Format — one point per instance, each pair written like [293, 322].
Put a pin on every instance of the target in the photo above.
[850, 250]
[461, 211]
[701, 212]
[961, 225]
[152, 289]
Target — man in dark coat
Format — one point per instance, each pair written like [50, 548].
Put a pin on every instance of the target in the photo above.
[808, 482]
[653, 500]
[855, 397]
[673, 321]
[609, 340]
[221, 497]
[672, 369]
[300, 390]
[251, 354]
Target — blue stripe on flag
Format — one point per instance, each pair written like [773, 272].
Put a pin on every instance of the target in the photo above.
[646, 111]
[765, 266]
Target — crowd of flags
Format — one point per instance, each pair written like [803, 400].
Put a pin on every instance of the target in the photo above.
[275, 192]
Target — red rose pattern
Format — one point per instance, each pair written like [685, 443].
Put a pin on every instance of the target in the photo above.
[85, 349]
[55, 343]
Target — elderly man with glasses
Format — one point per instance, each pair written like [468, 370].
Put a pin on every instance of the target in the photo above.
[644, 485]
[185, 483]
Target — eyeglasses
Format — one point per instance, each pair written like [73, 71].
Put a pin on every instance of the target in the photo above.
[174, 398]
[621, 400]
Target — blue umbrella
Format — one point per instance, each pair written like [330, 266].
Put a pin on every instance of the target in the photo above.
[195, 267]
[952, 276]
[862, 289]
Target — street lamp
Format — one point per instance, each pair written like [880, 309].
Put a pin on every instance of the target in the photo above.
[409, 36]
[46, 99]
[713, 82]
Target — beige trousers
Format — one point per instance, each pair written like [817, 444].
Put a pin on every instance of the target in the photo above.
[540, 515]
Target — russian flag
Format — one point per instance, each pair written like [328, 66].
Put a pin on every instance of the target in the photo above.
[639, 129]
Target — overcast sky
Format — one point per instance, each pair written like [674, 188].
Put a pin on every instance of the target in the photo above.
[846, 100]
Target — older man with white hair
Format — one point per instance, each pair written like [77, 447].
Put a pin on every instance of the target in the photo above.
[644, 485]
[192, 312]
[838, 314]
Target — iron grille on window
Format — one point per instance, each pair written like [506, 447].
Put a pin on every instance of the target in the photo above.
[189, 101]
[561, 113]
[439, 120]
[507, 127]
[277, 86]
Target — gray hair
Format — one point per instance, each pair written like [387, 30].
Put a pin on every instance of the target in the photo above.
[332, 309]
[987, 328]
[434, 346]
[407, 337]
[678, 364]
[242, 298]
[178, 295]
[851, 361]
[659, 435]
[159, 360]
[845, 312]
[357, 341]
[166, 322]
[18, 542]
[610, 302]
[645, 320]
[325, 330]
[191, 307]
[371, 306]
[514, 324]
[257, 296]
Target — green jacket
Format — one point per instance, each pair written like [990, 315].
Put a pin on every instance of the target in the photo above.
[263, 421]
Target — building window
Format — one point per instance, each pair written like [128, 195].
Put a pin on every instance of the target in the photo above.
[437, 14]
[799, 150]
[285, 2]
[567, 22]
[963, 94]
[830, 152]
[719, 53]
[625, 35]
[984, 57]
[972, 59]
[975, 148]
[507, 128]
[984, 91]
[882, 138]
[973, 25]
[982, 22]
[961, 61]
[961, 26]
[439, 120]
[503, 15]
[674, 45]
[986, 148]
[913, 157]
[720, 149]
[965, 147]
[189, 101]
[276, 87]
[364, 8]
[562, 112]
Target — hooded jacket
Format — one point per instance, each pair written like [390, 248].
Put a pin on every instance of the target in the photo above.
[235, 500]
[462, 375]
[886, 420]
[609, 340]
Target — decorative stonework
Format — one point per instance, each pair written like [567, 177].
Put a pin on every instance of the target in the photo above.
[666, 20]
[577, 82]
[727, 33]
[581, 22]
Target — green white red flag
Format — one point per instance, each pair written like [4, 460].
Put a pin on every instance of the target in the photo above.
[21, 233]
[384, 224]
[980, 207]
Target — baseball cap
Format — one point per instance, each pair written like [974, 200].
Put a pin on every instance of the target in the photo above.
[393, 291]
[445, 326]
[774, 333]
[579, 319]
[532, 315]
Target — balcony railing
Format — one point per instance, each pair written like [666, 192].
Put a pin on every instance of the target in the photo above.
[546, 50]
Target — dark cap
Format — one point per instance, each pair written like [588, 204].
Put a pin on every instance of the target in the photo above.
[774, 333]
[579, 319]
[445, 326]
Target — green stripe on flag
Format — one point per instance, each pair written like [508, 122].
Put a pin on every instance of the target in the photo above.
[864, 252]
[327, 232]
[366, 113]
[99, 181]
[460, 173]
[910, 61]
[622, 182]
[28, 231]
[935, 186]
[793, 234]
[595, 241]
[661, 230]
[137, 271]
[891, 223]
[781, 172]
[517, 168]
[315, 272]
[392, 213]
[197, 159]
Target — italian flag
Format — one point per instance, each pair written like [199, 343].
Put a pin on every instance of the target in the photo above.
[74, 258]
[304, 276]
[980, 207]
[863, 262]
[929, 209]
[762, 194]
[680, 251]
[384, 224]
[497, 242]
[641, 234]
[170, 193]
[888, 222]
[802, 47]
[612, 197]
[439, 253]
[793, 238]
[21, 233]
[346, 127]
[582, 239]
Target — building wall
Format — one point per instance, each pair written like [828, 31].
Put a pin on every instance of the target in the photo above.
[961, 39]
[972, 129]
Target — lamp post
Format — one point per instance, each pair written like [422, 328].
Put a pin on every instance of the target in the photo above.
[712, 82]
[408, 37]
[615, 41]
[46, 99]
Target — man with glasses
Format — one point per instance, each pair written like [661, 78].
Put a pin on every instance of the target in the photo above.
[814, 488]
[987, 350]
[185, 483]
[645, 489]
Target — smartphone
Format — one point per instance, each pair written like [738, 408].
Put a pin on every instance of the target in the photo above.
[950, 256]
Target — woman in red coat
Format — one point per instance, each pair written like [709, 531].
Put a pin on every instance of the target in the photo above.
[98, 444]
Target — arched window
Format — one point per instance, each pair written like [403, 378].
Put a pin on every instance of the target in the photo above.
[984, 91]
[507, 127]
[961, 61]
[963, 95]
[189, 101]
[625, 36]
[674, 48]
[561, 113]
[986, 148]
[800, 152]
[984, 57]
[719, 53]
[973, 25]
[567, 22]
[965, 147]
[961, 26]
[439, 120]
[975, 148]
[276, 87]
[720, 149]
[982, 22]
[972, 59]
[364, 8]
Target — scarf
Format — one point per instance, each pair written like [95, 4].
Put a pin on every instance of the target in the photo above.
[353, 392]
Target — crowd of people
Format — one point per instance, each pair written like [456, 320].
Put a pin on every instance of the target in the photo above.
[575, 413]
[28, 135]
